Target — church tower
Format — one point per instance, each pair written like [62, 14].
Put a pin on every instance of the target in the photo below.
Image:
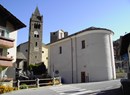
[35, 38]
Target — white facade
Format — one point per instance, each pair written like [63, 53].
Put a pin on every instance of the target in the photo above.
[77, 63]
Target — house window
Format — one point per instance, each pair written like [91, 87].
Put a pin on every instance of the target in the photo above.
[60, 50]
[2, 32]
[83, 44]
[42, 51]
[1, 51]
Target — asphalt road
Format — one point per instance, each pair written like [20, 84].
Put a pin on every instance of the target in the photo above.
[95, 88]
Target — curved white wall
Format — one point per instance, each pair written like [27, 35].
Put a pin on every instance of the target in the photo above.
[97, 59]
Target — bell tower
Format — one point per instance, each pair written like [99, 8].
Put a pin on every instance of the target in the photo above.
[35, 38]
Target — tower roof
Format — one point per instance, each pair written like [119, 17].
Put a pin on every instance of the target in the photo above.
[36, 12]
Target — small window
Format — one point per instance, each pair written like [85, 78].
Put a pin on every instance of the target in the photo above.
[36, 44]
[37, 26]
[54, 33]
[35, 56]
[60, 50]
[42, 51]
[37, 36]
[1, 51]
[39, 17]
[26, 50]
[83, 44]
[2, 32]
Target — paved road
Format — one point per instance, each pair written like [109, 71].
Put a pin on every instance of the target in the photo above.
[95, 88]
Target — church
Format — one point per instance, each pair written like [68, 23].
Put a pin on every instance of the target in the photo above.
[84, 56]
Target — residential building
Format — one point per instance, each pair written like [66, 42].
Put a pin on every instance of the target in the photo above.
[9, 26]
[125, 52]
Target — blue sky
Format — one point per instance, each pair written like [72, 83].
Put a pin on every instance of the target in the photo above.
[72, 15]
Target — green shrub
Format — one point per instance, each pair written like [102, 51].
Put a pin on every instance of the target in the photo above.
[4, 89]
[23, 86]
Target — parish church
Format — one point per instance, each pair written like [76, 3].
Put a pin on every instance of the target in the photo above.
[84, 56]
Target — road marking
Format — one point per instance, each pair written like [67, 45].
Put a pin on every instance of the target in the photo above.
[66, 89]
[70, 90]
[79, 93]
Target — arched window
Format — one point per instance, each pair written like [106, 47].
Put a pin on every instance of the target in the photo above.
[36, 44]
[37, 26]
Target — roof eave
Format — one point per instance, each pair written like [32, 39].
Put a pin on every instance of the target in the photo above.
[12, 19]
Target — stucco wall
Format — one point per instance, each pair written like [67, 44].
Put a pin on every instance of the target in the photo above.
[45, 55]
[96, 59]
[62, 62]
[12, 53]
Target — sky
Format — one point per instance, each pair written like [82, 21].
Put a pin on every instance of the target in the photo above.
[72, 15]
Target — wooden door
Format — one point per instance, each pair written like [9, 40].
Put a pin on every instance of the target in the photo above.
[83, 79]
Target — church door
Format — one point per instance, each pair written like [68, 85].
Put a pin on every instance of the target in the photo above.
[83, 77]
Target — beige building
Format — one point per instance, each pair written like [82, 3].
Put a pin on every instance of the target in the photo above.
[9, 26]
[45, 55]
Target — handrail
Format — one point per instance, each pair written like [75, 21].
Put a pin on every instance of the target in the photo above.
[38, 82]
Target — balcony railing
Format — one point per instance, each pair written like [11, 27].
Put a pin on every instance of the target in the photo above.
[5, 61]
[6, 42]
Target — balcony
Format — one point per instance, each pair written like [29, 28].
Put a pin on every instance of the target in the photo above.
[5, 61]
[6, 42]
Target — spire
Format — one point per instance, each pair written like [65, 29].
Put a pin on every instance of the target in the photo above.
[36, 12]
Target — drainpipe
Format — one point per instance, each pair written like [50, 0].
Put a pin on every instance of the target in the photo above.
[76, 59]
